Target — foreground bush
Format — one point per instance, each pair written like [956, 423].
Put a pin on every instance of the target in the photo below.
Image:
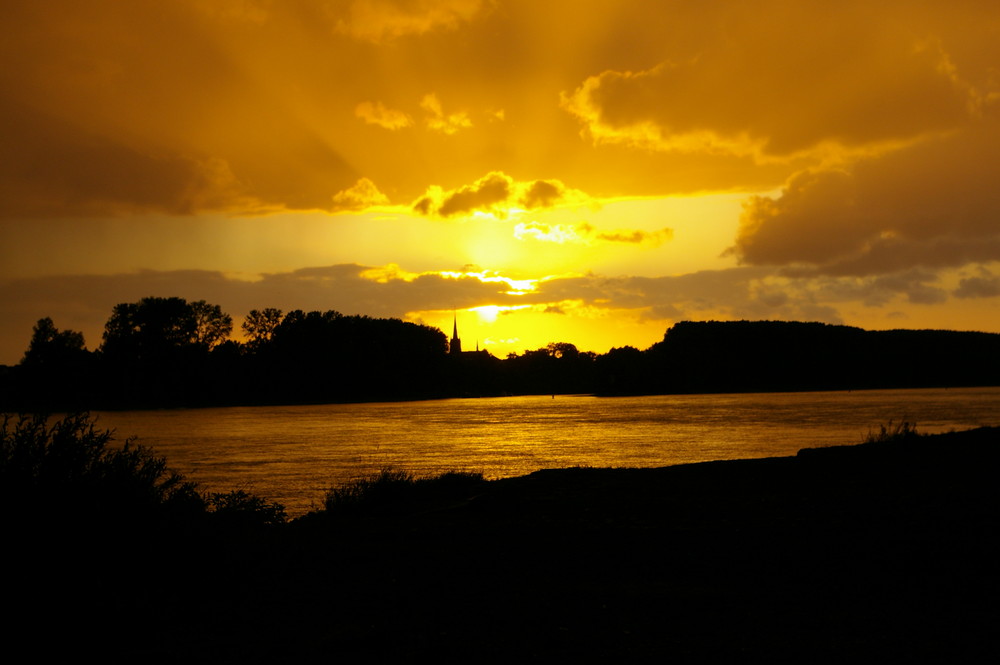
[68, 468]
[242, 509]
[71, 471]
[396, 489]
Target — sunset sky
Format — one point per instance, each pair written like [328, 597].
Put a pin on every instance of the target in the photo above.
[588, 172]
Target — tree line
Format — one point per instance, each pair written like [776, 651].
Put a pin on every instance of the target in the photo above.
[168, 352]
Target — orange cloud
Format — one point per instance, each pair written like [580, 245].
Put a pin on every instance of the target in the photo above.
[377, 114]
[587, 234]
[633, 237]
[438, 121]
[781, 82]
[364, 194]
[497, 193]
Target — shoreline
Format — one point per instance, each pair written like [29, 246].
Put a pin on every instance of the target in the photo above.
[860, 553]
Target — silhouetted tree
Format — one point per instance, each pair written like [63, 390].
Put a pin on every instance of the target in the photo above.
[212, 325]
[55, 372]
[563, 350]
[50, 346]
[260, 324]
[558, 367]
[155, 351]
[156, 328]
[623, 370]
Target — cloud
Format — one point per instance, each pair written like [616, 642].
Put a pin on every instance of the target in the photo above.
[542, 194]
[438, 121]
[978, 287]
[180, 93]
[633, 237]
[554, 233]
[484, 194]
[934, 204]
[377, 114]
[743, 293]
[915, 286]
[586, 234]
[54, 168]
[734, 294]
[497, 193]
[174, 108]
[380, 20]
[362, 195]
[781, 80]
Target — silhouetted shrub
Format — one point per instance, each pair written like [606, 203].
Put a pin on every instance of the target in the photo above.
[68, 469]
[239, 508]
[398, 489]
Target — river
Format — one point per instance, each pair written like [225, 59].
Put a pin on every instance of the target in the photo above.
[293, 454]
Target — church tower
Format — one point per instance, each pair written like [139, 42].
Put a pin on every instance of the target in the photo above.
[456, 343]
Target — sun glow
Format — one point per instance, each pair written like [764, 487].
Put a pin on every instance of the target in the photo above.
[516, 287]
[489, 313]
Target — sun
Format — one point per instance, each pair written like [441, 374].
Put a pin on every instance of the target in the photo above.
[489, 313]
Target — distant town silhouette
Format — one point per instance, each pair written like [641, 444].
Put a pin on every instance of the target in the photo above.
[168, 352]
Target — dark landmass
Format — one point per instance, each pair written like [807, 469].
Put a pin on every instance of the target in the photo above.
[882, 552]
[167, 352]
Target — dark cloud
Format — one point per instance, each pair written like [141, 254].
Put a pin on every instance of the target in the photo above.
[745, 293]
[934, 204]
[483, 195]
[916, 286]
[978, 287]
[735, 294]
[542, 194]
[53, 168]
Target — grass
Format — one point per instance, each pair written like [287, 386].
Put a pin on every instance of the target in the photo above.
[892, 433]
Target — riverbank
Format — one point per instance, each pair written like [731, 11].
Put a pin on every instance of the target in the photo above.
[873, 553]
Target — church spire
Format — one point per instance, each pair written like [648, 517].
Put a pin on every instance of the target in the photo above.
[456, 343]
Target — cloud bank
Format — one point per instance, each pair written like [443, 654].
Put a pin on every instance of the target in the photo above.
[934, 204]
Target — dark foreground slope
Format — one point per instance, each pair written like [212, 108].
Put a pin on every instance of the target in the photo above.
[871, 553]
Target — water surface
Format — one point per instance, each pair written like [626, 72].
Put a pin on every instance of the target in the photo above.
[292, 454]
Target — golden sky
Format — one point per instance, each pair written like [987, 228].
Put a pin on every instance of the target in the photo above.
[589, 171]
